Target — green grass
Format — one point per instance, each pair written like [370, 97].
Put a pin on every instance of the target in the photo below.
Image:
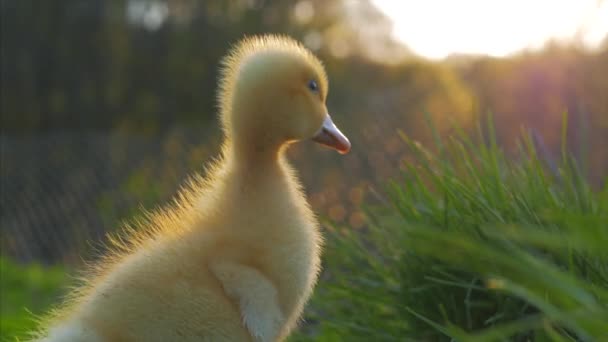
[471, 245]
[26, 291]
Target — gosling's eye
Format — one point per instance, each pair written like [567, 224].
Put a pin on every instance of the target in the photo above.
[312, 85]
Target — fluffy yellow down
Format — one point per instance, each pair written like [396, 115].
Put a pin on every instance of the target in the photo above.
[235, 257]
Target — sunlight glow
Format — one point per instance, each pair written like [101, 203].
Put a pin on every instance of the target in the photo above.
[438, 28]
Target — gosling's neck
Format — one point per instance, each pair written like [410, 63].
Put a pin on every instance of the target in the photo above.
[256, 160]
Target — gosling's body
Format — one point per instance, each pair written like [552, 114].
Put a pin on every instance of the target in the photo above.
[169, 289]
[236, 257]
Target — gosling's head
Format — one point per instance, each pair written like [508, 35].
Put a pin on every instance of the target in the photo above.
[273, 92]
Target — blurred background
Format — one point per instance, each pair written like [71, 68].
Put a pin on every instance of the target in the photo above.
[108, 105]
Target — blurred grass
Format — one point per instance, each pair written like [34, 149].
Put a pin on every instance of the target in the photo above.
[470, 245]
[25, 291]
[467, 245]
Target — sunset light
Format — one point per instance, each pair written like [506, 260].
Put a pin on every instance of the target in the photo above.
[408, 170]
[438, 28]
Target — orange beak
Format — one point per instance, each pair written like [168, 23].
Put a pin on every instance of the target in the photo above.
[330, 136]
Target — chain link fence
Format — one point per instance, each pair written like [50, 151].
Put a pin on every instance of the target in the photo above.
[61, 192]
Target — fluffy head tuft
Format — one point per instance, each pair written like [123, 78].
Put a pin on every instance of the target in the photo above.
[237, 66]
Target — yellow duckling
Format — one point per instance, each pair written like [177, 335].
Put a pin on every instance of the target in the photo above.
[236, 257]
